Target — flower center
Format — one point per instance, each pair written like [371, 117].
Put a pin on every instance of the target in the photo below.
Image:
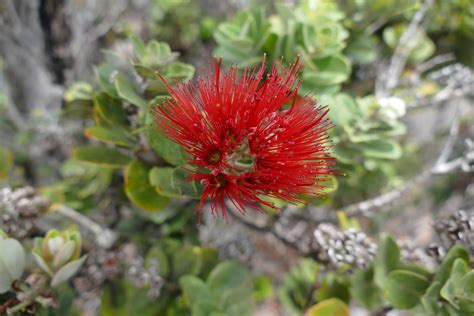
[219, 181]
[240, 159]
[214, 157]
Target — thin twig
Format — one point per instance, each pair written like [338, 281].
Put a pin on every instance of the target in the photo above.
[388, 79]
[446, 94]
[435, 61]
[449, 144]
[463, 163]
[372, 28]
[104, 237]
[290, 228]
[384, 199]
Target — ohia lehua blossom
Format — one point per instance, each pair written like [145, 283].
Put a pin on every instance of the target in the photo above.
[250, 136]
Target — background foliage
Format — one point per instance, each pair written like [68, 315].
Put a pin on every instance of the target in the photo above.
[110, 222]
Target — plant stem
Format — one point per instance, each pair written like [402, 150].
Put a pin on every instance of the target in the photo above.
[32, 296]
[105, 237]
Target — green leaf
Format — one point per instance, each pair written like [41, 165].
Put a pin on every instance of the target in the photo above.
[64, 296]
[195, 290]
[178, 71]
[232, 282]
[395, 128]
[6, 158]
[445, 268]
[424, 46]
[343, 109]
[330, 307]
[187, 260]
[206, 309]
[227, 292]
[210, 258]
[158, 53]
[466, 287]
[78, 91]
[336, 286]
[168, 150]
[139, 190]
[207, 26]
[364, 289]
[181, 181]
[113, 301]
[109, 110]
[160, 178]
[111, 135]
[78, 109]
[12, 262]
[5, 282]
[381, 149]
[386, 259]
[424, 50]
[346, 154]
[157, 253]
[138, 47]
[327, 71]
[459, 288]
[415, 269]
[156, 89]
[466, 307]
[263, 288]
[404, 289]
[146, 72]
[297, 289]
[105, 74]
[101, 156]
[431, 300]
[128, 92]
[362, 49]
[465, 294]
[359, 137]
[174, 182]
[228, 276]
[67, 271]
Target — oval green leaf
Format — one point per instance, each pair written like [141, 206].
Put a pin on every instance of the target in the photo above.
[168, 150]
[101, 156]
[329, 307]
[128, 92]
[139, 190]
[386, 260]
[108, 110]
[404, 289]
[111, 135]
[381, 149]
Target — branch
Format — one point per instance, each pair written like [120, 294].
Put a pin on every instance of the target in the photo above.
[465, 163]
[104, 237]
[365, 207]
[440, 166]
[388, 79]
[449, 144]
[448, 93]
[377, 24]
[435, 61]
[289, 228]
[107, 22]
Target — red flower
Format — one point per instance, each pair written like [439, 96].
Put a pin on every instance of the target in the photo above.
[249, 136]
